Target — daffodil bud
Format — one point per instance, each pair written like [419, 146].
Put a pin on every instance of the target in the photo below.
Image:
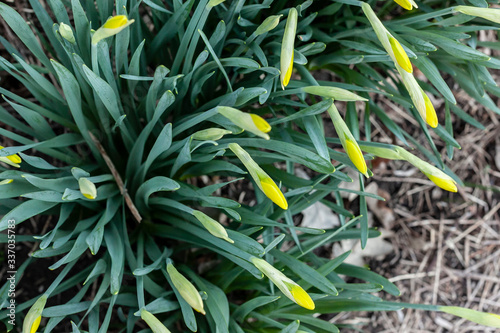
[406, 4]
[12, 160]
[6, 181]
[355, 155]
[490, 14]
[67, 33]
[185, 289]
[347, 140]
[87, 188]
[269, 24]
[212, 226]
[335, 93]
[153, 322]
[210, 134]
[390, 153]
[248, 121]
[430, 112]
[287, 286]
[34, 316]
[111, 27]
[482, 318]
[437, 176]
[287, 45]
[213, 3]
[390, 44]
[400, 55]
[261, 178]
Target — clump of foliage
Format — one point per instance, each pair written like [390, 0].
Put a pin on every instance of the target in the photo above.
[133, 101]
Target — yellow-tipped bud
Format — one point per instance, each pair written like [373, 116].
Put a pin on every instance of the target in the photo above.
[335, 93]
[6, 181]
[302, 298]
[212, 226]
[34, 316]
[287, 286]
[186, 289]
[273, 192]
[356, 156]
[111, 27]
[153, 322]
[482, 318]
[400, 55]
[287, 45]
[87, 188]
[248, 121]
[406, 4]
[430, 112]
[446, 183]
[260, 123]
[13, 160]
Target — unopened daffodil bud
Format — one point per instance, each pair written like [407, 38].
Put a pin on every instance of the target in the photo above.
[248, 121]
[443, 180]
[406, 4]
[355, 155]
[212, 226]
[430, 113]
[287, 286]
[6, 181]
[34, 316]
[154, 324]
[437, 176]
[210, 134]
[67, 33]
[269, 24]
[347, 140]
[400, 55]
[111, 27]
[335, 93]
[490, 14]
[186, 289]
[482, 318]
[261, 178]
[390, 44]
[87, 188]
[12, 160]
[287, 45]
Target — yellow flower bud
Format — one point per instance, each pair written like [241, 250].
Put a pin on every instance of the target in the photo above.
[287, 286]
[260, 123]
[430, 112]
[153, 322]
[287, 45]
[400, 55]
[406, 4]
[273, 192]
[111, 27]
[6, 181]
[249, 122]
[301, 297]
[356, 156]
[34, 316]
[210, 134]
[87, 188]
[446, 183]
[186, 289]
[13, 158]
